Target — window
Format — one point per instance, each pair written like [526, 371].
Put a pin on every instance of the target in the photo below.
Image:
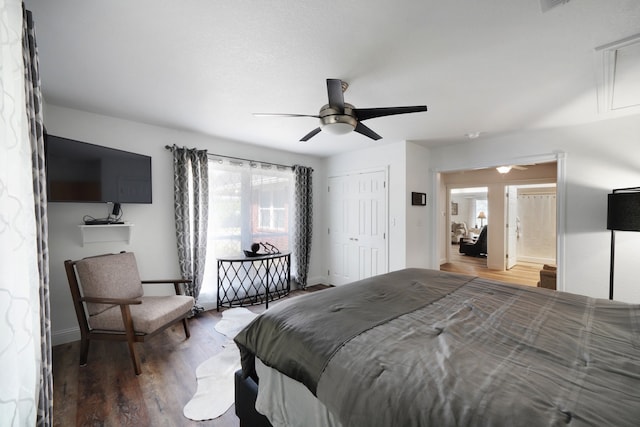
[272, 195]
[482, 210]
[248, 202]
[472, 202]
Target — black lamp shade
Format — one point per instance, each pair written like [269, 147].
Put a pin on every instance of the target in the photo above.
[623, 211]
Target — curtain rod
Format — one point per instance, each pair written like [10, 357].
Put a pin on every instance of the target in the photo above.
[248, 160]
[169, 147]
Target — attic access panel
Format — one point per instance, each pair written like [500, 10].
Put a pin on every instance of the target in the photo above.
[619, 80]
[626, 79]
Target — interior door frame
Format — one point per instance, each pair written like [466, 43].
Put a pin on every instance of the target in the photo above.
[561, 183]
[511, 241]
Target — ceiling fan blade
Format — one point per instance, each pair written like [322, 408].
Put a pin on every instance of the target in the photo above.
[364, 130]
[336, 96]
[370, 113]
[310, 135]
[284, 115]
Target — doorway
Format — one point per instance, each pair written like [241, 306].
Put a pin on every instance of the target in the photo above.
[506, 234]
[531, 224]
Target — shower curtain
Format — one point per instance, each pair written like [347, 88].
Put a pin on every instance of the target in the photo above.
[537, 228]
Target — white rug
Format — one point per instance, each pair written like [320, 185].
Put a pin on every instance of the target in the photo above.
[215, 391]
[234, 320]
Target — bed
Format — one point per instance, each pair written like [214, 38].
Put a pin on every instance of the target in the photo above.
[422, 347]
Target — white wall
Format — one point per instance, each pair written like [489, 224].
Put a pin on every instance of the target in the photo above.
[418, 248]
[496, 236]
[153, 239]
[599, 157]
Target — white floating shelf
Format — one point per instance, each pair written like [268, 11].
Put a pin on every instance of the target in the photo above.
[106, 233]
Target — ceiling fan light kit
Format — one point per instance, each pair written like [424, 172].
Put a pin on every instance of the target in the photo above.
[338, 128]
[507, 169]
[332, 121]
[340, 118]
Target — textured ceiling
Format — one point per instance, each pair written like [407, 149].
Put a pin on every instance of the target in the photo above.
[493, 66]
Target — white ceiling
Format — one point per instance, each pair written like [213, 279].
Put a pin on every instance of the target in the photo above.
[491, 66]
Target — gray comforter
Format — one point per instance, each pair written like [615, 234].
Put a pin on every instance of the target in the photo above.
[426, 348]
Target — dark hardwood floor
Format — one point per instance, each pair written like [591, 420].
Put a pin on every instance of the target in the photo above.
[107, 392]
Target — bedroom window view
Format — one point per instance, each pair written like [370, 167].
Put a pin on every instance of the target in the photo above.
[248, 203]
[272, 209]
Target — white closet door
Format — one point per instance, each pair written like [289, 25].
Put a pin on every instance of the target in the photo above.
[339, 230]
[357, 226]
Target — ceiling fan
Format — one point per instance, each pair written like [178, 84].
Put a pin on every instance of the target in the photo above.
[339, 118]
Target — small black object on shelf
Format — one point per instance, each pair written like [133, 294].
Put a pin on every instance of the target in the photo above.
[102, 222]
[269, 249]
[255, 247]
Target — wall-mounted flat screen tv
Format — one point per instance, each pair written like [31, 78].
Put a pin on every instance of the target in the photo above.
[82, 172]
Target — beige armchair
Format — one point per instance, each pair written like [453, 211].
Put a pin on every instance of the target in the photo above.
[458, 231]
[108, 298]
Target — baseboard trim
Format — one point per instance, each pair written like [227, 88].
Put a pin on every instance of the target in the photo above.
[537, 260]
[316, 280]
[65, 336]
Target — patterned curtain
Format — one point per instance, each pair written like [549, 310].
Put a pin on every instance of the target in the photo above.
[25, 354]
[33, 94]
[303, 223]
[191, 202]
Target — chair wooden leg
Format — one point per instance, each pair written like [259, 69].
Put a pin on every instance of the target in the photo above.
[84, 351]
[185, 323]
[128, 326]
